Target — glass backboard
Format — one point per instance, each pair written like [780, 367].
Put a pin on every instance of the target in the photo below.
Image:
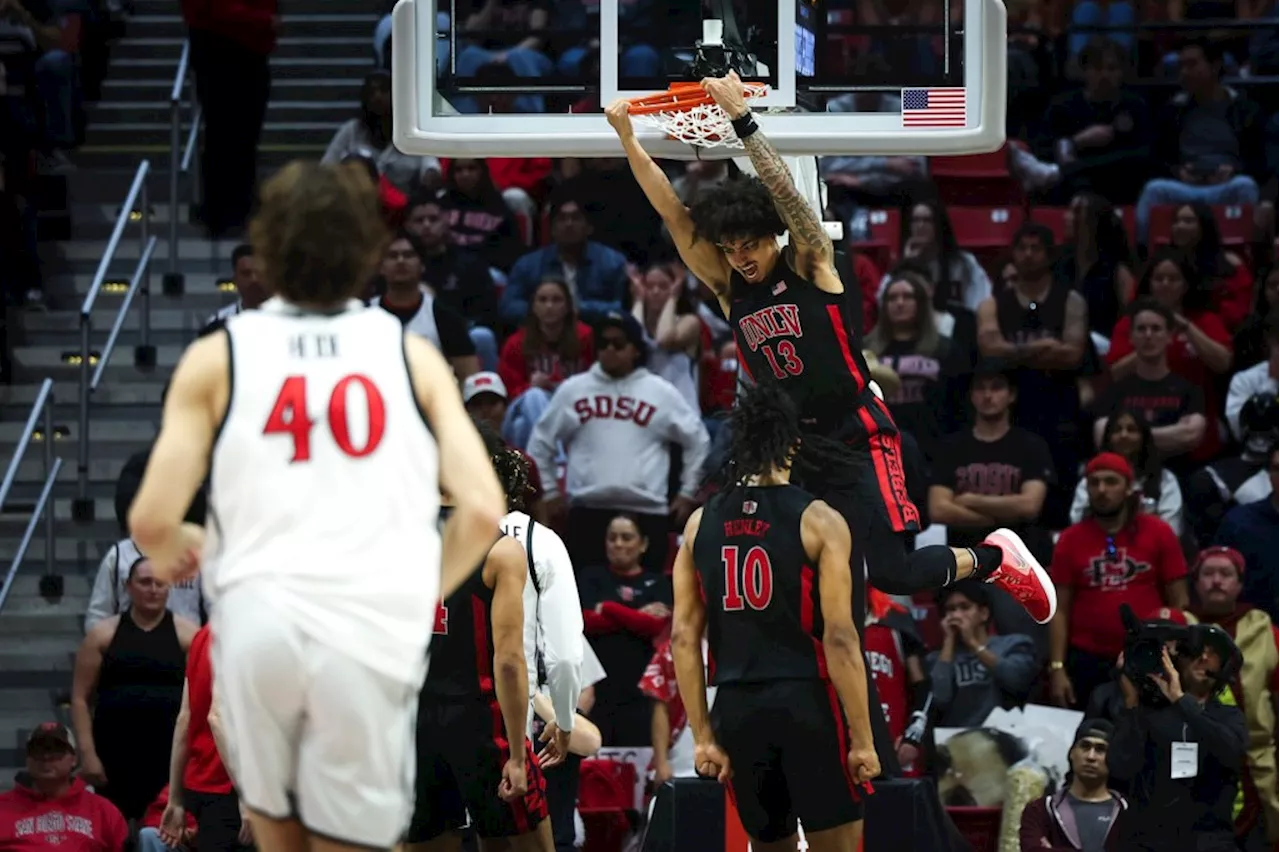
[484, 78]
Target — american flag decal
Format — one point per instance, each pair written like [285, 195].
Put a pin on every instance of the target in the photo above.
[933, 108]
[749, 507]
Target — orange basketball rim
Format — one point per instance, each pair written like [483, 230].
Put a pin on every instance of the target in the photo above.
[686, 112]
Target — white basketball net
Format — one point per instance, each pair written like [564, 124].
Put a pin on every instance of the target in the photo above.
[704, 125]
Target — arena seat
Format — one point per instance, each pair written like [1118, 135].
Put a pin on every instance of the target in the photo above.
[980, 826]
[1129, 217]
[986, 231]
[884, 234]
[1161, 224]
[977, 179]
[1235, 223]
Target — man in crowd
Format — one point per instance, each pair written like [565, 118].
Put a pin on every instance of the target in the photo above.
[50, 810]
[249, 290]
[1252, 529]
[1085, 813]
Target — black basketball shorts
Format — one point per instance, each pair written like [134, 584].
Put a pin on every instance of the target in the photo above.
[461, 753]
[788, 745]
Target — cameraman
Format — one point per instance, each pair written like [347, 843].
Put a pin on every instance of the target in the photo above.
[1181, 759]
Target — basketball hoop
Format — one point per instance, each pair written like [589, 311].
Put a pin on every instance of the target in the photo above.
[686, 113]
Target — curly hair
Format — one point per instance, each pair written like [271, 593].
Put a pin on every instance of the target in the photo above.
[510, 465]
[318, 233]
[737, 209]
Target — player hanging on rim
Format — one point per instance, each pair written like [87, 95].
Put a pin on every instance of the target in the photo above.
[764, 570]
[318, 421]
[787, 310]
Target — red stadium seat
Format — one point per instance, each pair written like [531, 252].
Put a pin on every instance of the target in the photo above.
[980, 826]
[1235, 223]
[1053, 218]
[986, 232]
[1128, 216]
[1161, 225]
[976, 179]
[881, 244]
[524, 228]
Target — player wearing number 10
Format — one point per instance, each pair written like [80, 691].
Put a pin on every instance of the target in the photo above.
[319, 423]
[764, 570]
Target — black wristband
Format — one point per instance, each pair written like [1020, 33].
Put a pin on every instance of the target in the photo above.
[744, 126]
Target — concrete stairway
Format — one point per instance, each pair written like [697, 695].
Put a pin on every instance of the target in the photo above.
[324, 53]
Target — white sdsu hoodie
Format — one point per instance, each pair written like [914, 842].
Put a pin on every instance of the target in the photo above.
[616, 434]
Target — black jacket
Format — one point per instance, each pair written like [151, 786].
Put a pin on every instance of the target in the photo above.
[1245, 119]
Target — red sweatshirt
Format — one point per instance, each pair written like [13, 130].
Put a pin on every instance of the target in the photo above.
[77, 821]
[516, 370]
[249, 23]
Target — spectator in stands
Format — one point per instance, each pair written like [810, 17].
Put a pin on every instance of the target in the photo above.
[522, 182]
[596, 274]
[550, 346]
[927, 239]
[1250, 342]
[129, 668]
[626, 606]
[698, 177]
[1231, 481]
[1218, 575]
[512, 35]
[896, 662]
[110, 594]
[1094, 138]
[459, 280]
[1097, 261]
[672, 331]
[617, 209]
[485, 396]
[1199, 348]
[369, 134]
[1195, 231]
[669, 732]
[1042, 326]
[54, 74]
[1170, 405]
[617, 422]
[994, 474]
[1128, 434]
[905, 338]
[186, 836]
[953, 321]
[975, 671]
[1261, 378]
[1252, 529]
[1116, 554]
[1209, 138]
[392, 202]
[231, 46]
[417, 307]
[49, 808]
[480, 217]
[250, 293]
[1085, 814]
[636, 22]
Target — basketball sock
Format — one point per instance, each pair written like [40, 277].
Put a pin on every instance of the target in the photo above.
[986, 560]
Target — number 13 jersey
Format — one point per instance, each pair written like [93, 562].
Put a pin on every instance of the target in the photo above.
[764, 615]
[324, 491]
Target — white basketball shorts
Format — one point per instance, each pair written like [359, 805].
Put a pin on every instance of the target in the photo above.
[314, 735]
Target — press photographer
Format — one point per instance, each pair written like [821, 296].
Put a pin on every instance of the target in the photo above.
[1177, 746]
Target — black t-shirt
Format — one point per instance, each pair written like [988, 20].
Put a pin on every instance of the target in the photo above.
[623, 656]
[455, 339]
[462, 284]
[995, 469]
[1162, 401]
[919, 404]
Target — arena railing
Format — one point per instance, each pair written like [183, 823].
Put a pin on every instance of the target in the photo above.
[41, 418]
[93, 367]
[181, 152]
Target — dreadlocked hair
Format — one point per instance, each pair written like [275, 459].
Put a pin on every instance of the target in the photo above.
[741, 208]
[510, 465]
[765, 434]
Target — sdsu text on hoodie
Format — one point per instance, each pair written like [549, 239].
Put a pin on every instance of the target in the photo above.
[616, 434]
[77, 821]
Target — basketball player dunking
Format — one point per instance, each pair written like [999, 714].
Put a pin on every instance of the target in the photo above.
[322, 420]
[764, 570]
[787, 310]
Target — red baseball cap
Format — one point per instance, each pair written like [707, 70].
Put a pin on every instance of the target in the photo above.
[1113, 462]
[1235, 557]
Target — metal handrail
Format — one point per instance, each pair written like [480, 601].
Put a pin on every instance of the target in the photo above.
[41, 413]
[180, 154]
[141, 281]
[135, 284]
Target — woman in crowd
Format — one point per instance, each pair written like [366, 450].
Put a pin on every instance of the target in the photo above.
[130, 668]
[672, 331]
[1128, 434]
[626, 609]
[480, 220]
[1097, 260]
[906, 339]
[1250, 340]
[369, 135]
[1200, 346]
[1195, 231]
[551, 346]
[928, 240]
[953, 321]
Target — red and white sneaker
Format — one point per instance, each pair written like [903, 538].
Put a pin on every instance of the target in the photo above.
[1021, 575]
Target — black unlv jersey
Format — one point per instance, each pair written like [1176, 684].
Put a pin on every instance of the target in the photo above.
[461, 664]
[764, 618]
[789, 329]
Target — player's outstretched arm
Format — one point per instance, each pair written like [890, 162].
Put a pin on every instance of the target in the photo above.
[689, 622]
[808, 237]
[705, 259]
[466, 473]
[505, 571]
[179, 462]
[827, 541]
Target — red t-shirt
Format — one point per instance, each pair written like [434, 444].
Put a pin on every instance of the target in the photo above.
[205, 772]
[78, 821]
[1146, 556]
[1184, 361]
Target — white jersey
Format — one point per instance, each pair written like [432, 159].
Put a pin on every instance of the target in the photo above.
[552, 614]
[324, 494]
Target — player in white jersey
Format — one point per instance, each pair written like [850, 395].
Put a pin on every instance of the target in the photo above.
[319, 421]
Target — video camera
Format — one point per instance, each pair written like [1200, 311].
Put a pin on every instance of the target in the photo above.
[1145, 641]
